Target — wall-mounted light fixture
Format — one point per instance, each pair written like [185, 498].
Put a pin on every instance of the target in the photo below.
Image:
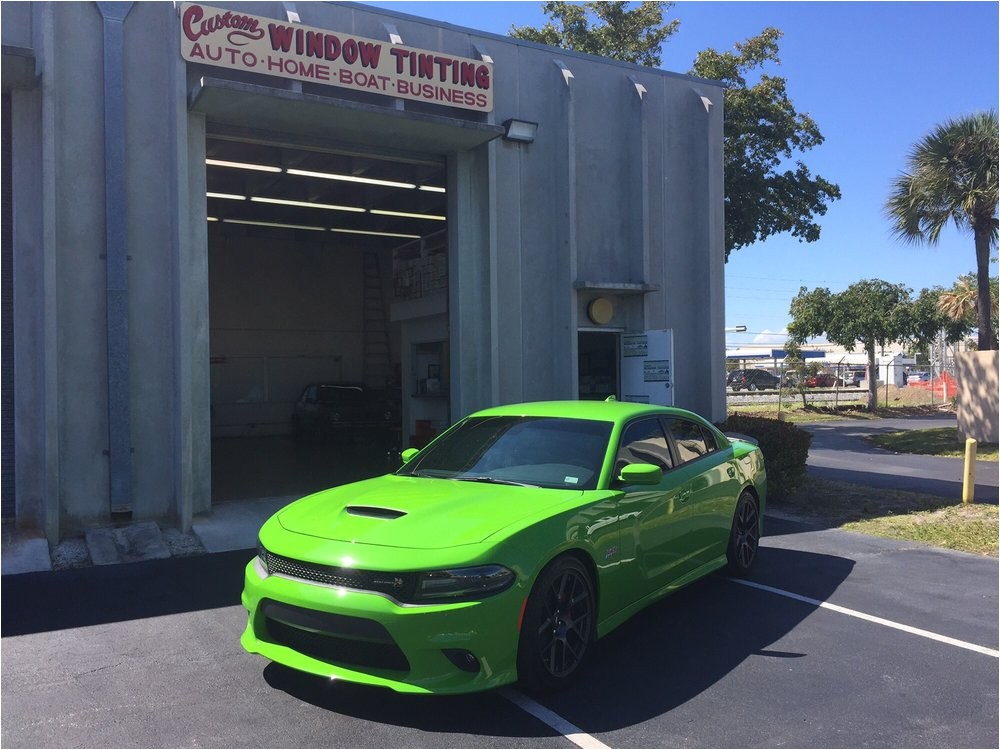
[521, 131]
[601, 311]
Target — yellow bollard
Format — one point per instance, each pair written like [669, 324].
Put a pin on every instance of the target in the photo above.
[969, 479]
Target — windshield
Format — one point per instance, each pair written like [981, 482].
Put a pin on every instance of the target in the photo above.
[537, 451]
[341, 395]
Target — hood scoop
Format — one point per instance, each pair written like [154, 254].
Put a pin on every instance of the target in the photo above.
[367, 511]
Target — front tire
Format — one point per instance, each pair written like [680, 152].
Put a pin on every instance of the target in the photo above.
[744, 538]
[558, 626]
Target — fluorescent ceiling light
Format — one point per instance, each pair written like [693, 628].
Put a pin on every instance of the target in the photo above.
[212, 218]
[405, 215]
[351, 178]
[433, 189]
[227, 196]
[378, 234]
[307, 204]
[272, 224]
[241, 165]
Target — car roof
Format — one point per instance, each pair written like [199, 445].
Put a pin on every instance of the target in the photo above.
[605, 411]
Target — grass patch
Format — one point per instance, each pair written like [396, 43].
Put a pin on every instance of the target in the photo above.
[939, 441]
[897, 515]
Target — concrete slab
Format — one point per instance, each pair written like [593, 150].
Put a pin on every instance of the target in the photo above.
[23, 553]
[132, 543]
[233, 526]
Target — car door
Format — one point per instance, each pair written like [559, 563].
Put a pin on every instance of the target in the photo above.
[706, 488]
[656, 525]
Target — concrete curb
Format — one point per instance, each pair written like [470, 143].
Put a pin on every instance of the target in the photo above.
[230, 526]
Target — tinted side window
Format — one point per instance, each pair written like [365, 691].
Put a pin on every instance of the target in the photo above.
[644, 442]
[689, 439]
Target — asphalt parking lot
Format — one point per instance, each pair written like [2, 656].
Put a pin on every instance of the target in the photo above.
[147, 655]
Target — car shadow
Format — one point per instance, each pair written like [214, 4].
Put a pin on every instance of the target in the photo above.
[114, 593]
[661, 658]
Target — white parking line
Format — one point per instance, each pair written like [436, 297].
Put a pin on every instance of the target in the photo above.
[871, 618]
[570, 731]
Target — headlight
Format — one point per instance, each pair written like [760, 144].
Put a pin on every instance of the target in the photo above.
[463, 583]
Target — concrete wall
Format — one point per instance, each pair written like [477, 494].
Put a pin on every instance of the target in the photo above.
[61, 296]
[617, 189]
[978, 399]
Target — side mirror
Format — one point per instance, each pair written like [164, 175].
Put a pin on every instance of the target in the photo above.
[408, 454]
[641, 474]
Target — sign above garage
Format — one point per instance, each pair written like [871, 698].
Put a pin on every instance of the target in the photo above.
[238, 41]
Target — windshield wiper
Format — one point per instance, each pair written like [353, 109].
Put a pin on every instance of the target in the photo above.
[492, 480]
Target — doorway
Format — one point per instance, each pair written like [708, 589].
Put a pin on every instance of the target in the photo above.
[598, 364]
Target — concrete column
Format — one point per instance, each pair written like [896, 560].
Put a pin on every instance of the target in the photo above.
[116, 227]
[36, 416]
[716, 258]
[191, 341]
[567, 383]
[469, 285]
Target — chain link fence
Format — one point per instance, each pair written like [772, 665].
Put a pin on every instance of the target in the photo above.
[846, 384]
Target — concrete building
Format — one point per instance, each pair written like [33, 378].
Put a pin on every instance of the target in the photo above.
[209, 208]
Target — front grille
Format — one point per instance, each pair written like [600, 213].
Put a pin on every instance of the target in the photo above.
[400, 586]
[336, 639]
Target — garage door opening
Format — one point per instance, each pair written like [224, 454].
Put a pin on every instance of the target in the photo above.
[320, 261]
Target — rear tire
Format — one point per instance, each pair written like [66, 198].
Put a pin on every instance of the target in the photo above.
[744, 537]
[558, 626]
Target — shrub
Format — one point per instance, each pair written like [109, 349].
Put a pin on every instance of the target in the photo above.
[785, 448]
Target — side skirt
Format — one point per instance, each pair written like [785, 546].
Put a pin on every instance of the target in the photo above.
[606, 626]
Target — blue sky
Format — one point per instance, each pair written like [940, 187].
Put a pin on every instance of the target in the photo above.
[876, 77]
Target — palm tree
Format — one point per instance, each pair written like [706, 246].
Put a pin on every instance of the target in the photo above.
[952, 176]
[961, 301]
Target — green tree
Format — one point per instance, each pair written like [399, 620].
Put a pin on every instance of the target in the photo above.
[762, 129]
[763, 132]
[926, 319]
[952, 176]
[798, 371]
[871, 312]
[633, 35]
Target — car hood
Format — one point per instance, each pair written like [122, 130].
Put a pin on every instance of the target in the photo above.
[416, 512]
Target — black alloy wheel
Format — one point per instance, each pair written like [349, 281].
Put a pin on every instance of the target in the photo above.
[744, 537]
[558, 626]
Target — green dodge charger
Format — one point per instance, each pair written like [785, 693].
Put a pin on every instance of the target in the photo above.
[503, 549]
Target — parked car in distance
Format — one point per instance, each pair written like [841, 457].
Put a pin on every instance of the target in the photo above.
[502, 550]
[823, 380]
[340, 410]
[918, 377]
[854, 376]
[752, 380]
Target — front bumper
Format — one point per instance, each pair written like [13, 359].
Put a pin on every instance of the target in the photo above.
[371, 639]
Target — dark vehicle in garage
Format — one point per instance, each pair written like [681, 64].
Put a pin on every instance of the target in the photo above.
[343, 411]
